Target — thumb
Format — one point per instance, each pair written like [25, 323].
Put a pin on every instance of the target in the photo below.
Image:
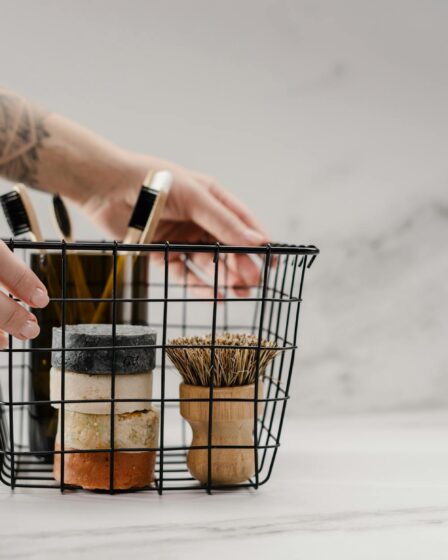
[18, 278]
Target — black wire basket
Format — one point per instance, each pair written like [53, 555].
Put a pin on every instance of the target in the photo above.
[175, 305]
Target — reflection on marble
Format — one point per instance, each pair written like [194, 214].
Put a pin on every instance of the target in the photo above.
[344, 487]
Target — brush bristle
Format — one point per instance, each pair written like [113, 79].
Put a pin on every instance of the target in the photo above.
[233, 366]
[142, 208]
[16, 214]
[62, 217]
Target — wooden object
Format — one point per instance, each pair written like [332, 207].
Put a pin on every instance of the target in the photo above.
[162, 182]
[86, 309]
[232, 424]
[35, 234]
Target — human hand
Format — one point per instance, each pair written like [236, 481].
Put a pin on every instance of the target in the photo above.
[198, 210]
[18, 279]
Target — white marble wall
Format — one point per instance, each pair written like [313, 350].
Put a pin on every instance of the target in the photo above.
[327, 117]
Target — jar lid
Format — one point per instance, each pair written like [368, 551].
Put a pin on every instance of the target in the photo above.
[86, 359]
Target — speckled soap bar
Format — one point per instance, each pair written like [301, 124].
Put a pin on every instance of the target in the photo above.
[127, 360]
[92, 431]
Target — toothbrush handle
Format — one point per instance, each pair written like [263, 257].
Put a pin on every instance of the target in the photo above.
[107, 292]
[86, 308]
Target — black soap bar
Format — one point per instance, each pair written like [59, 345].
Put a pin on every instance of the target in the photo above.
[83, 360]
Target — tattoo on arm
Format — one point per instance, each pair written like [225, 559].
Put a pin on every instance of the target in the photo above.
[22, 132]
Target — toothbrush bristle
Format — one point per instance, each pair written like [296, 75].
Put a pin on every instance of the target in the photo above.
[15, 213]
[142, 208]
[62, 217]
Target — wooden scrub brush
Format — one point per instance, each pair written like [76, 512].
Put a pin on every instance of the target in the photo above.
[234, 375]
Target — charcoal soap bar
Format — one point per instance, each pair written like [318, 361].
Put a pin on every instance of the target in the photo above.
[127, 360]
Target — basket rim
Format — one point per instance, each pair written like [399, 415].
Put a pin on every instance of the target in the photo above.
[272, 248]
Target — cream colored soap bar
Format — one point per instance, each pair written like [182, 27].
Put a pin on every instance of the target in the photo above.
[92, 431]
[82, 386]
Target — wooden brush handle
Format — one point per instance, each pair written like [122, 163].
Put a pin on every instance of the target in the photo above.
[86, 309]
[134, 236]
[232, 424]
[32, 217]
[53, 281]
[108, 289]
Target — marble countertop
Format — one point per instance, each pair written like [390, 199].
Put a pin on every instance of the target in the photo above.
[343, 487]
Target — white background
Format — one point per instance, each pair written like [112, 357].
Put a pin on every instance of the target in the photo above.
[328, 118]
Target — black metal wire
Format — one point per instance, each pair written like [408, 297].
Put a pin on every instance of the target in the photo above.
[267, 264]
[212, 370]
[63, 320]
[274, 305]
[11, 397]
[163, 372]
[113, 372]
[291, 365]
[185, 248]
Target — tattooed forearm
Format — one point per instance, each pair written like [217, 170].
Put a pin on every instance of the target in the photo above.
[49, 151]
[22, 132]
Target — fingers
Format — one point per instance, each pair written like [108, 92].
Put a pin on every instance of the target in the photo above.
[228, 276]
[236, 206]
[18, 279]
[181, 269]
[3, 340]
[198, 285]
[250, 269]
[246, 216]
[16, 320]
[246, 268]
[222, 223]
[197, 271]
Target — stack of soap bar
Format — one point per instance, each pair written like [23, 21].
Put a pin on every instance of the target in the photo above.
[88, 362]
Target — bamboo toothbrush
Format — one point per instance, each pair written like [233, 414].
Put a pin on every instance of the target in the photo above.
[160, 185]
[141, 228]
[20, 213]
[22, 219]
[86, 309]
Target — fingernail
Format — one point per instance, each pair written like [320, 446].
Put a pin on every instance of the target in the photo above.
[30, 329]
[40, 297]
[254, 237]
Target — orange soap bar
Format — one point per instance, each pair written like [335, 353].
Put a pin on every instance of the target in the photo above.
[92, 470]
